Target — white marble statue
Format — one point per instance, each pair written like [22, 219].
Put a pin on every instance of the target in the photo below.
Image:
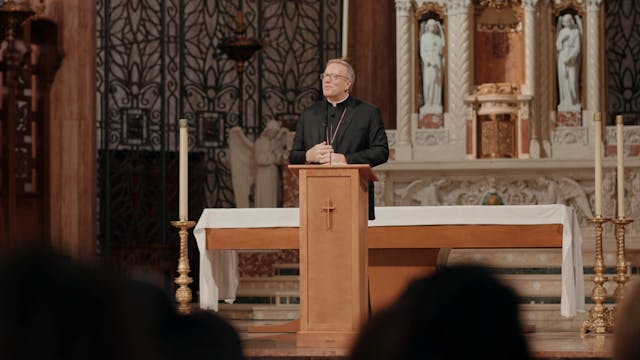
[257, 164]
[568, 46]
[432, 56]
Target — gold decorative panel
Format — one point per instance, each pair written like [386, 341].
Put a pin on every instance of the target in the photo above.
[497, 134]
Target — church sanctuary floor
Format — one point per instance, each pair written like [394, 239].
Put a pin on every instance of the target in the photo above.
[549, 345]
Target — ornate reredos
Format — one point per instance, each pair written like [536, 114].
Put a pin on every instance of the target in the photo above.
[423, 10]
[498, 15]
[560, 6]
[498, 4]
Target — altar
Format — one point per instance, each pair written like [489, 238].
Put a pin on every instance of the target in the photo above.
[400, 229]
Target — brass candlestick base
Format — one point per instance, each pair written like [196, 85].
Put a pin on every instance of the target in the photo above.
[600, 318]
[183, 293]
[621, 263]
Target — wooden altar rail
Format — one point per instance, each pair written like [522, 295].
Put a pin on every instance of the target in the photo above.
[397, 254]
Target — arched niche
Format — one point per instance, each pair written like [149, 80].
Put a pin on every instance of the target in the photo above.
[568, 115]
[499, 43]
[430, 117]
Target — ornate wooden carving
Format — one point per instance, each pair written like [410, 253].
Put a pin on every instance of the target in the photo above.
[28, 64]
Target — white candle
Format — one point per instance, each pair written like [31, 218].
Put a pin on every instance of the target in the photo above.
[345, 29]
[184, 171]
[597, 155]
[620, 163]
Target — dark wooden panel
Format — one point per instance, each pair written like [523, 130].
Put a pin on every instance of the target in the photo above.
[372, 52]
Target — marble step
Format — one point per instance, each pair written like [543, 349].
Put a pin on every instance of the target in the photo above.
[263, 312]
[505, 258]
[271, 282]
[269, 290]
[549, 286]
[547, 318]
[532, 258]
[538, 288]
[538, 317]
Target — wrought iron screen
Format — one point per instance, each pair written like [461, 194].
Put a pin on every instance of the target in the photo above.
[158, 61]
[622, 31]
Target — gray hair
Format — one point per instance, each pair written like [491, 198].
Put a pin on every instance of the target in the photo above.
[350, 72]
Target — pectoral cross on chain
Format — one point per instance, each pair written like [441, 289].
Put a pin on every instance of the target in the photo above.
[328, 208]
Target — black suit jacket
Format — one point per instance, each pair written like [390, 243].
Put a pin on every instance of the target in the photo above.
[360, 138]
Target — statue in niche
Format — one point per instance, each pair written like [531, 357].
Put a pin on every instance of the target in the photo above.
[568, 46]
[432, 56]
[257, 163]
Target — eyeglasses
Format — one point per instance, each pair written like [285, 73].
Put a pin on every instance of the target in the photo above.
[333, 77]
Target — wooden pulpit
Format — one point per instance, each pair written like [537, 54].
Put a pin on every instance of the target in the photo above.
[333, 253]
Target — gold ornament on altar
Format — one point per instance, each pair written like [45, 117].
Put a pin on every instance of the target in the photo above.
[502, 88]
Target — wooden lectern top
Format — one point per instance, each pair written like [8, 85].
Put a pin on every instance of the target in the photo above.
[366, 173]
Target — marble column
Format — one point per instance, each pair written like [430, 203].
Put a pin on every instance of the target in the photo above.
[530, 74]
[459, 66]
[403, 71]
[593, 57]
[543, 95]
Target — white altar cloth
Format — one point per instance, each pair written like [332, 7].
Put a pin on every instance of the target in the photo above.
[218, 268]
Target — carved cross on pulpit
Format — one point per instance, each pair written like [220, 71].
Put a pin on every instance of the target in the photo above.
[328, 208]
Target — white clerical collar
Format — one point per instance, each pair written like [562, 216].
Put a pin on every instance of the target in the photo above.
[334, 104]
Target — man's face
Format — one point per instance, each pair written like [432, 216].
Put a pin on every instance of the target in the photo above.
[335, 88]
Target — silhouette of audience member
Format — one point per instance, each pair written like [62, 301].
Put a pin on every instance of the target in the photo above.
[53, 308]
[153, 308]
[202, 335]
[458, 313]
[625, 344]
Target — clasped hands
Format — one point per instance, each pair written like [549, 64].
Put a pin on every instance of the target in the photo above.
[322, 153]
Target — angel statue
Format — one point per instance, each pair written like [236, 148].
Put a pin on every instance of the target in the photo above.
[568, 48]
[432, 56]
[257, 163]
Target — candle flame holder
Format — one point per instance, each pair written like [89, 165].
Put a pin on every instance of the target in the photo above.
[600, 318]
[183, 293]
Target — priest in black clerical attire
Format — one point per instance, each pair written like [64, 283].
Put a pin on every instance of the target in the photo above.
[340, 129]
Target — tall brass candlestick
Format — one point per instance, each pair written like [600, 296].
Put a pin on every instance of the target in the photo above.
[621, 263]
[183, 293]
[600, 318]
